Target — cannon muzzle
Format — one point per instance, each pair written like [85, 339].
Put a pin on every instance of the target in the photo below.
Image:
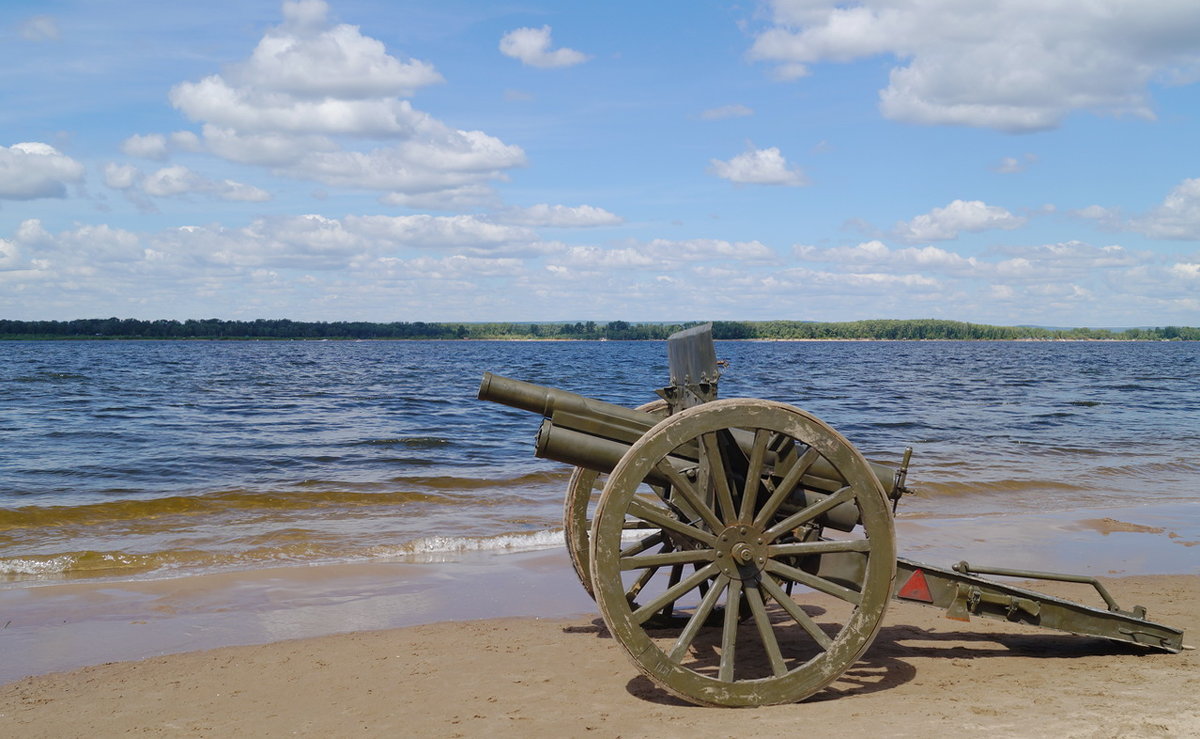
[589, 415]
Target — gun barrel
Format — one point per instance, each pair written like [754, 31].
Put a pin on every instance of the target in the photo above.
[582, 449]
[546, 401]
[611, 428]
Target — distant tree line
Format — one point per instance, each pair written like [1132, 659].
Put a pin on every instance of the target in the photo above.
[262, 328]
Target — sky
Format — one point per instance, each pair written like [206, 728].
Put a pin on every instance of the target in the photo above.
[1030, 162]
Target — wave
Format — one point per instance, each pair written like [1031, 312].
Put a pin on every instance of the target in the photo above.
[448, 482]
[45, 376]
[1148, 469]
[412, 442]
[439, 491]
[76, 564]
[440, 545]
[285, 547]
[992, 487]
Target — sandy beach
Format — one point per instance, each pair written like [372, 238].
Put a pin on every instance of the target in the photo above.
[557, 673]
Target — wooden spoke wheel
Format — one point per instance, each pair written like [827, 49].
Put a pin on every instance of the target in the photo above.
[577, 509]
[775, 605]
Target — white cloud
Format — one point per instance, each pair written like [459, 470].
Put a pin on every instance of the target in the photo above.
[311, 92]
[257, 108]
[1177, 218]
[309, 60]
[877, 254]
[9, 254]
[40, 28]
[1013, 165]
[664, 254]
[1187, 270]
[942, 224]
[171, 181]
[759, 167]
[1071, 260]
[267, 149]
[411, 167]
[121, 176]
[561, 216]
[1009, 64]
[240, 191]
[1107, 218]
[727, 111]
[440, 232]
[532, 47]
[31, 232]
[82, 250]
[693, 250]
[316, 267]
[186, 141]
[595, 258]
[32, 170]
[150, 146]
[462, 197]
[178, 180]
[1048, 263]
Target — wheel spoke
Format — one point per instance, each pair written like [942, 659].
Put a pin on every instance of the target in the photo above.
[719, 475]
[688, 635]
[796, 612]
[808, 513]
[786, 486]
[695, 461]
[683, 556]
[684, 488]
[733, 603]
[664, 519]
[829, 546]
[814, 582]
[758, 452]
[643, 544]
[673, 593]
[636, 589]
[672, 580]
[765, 631]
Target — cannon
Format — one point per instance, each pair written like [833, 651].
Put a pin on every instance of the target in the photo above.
[743, 552]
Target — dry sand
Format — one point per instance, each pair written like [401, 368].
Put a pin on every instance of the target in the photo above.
[923, 676]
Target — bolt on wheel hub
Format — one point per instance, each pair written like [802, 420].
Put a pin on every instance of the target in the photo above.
[741, 551]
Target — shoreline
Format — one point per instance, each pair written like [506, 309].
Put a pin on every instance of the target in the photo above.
[563, 675]
[55, 626]
[65, 626]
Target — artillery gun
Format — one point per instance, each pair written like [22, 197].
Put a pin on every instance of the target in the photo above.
[743, 551]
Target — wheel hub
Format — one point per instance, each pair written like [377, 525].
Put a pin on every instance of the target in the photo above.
[741, 551]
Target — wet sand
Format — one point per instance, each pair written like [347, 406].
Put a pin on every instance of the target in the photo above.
[923, 676]
[401, 667]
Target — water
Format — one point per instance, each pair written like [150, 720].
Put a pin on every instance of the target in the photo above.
[150, 459]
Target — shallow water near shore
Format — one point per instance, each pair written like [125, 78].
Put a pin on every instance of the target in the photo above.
[127, 460]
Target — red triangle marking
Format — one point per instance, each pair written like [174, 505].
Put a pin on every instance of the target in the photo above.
[916, 588]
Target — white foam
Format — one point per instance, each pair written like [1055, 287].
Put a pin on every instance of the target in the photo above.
[38, 567]
[435, 545]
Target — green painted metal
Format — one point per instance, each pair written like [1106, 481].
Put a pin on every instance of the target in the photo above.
[964, 594]
[743, 553]
[584, 432]
[771, 647]
[577, 523]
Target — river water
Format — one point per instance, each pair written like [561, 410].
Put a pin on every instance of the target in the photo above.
[137, 459]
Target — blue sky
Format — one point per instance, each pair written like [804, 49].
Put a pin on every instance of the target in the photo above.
[1009, 162]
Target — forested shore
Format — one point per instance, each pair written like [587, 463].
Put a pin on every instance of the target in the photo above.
[913, 330]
